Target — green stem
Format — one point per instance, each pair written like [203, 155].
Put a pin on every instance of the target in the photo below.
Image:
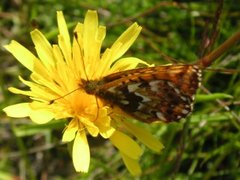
[211, 57]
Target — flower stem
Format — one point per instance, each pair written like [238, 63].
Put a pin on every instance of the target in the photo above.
[212, 56]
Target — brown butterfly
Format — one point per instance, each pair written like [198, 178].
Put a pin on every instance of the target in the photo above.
[161, 93]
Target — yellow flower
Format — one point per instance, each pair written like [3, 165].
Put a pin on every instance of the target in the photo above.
[55, 88]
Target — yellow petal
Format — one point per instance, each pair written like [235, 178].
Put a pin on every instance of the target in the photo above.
[120, 46]
[126, 145]
[89, 37]
[107, 133]
[78, 62]
[64, 38]
[43, 49]
[22, 54]
[18, 110]
[70, 132]
[103, 122]
[40, 112]
[63, 29]
[26, 58]
[144, 136]
[101, 34]
[92, 129]
[81, 153]
[37, 91]
[126, 40]
[41, 116]
[106, 130]
[19, 91]
[126, 64]
[105, 63]
[131, 164]
[62, 71]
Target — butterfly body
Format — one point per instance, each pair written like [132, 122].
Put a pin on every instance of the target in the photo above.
[161, 93]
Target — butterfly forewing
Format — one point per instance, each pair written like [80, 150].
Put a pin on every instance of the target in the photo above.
[162, 93]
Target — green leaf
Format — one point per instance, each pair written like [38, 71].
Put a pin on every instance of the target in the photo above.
[213, 96]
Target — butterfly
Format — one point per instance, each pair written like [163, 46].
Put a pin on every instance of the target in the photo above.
[161, 93]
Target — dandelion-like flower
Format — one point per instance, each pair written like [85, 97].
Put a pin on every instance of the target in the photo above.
[56, 89]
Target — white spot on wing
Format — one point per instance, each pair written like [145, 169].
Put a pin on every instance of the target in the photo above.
[177, 90]
[133, 87]
[183, 98]
[112, 89]
[193, 98]
[187, 106]
[170, 84]
[141, 106]
[196, 67]
[160, 116]
[145, 99]
[124, 102]
[154, 85]
[179, 117]
[191, 106]
[184, 111]
[194, 70]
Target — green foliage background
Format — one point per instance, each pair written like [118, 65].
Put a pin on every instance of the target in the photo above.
[204, 146]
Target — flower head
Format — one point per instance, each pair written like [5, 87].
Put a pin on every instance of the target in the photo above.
[57, 75]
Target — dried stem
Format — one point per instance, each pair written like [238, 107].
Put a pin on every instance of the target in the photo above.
[212, 56]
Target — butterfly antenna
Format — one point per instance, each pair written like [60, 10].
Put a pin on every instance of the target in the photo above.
[85, 72]
[82, 55]
[53, 100]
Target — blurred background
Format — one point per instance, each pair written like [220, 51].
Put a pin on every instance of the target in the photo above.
[206, 145]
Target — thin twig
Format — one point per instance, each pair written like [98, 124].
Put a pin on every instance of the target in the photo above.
[212, 56]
